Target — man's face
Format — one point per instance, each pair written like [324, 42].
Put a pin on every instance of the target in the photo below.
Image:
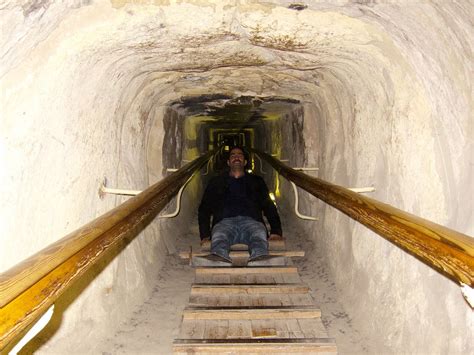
[236, 159]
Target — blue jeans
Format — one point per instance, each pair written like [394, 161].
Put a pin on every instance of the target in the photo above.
[239, 230]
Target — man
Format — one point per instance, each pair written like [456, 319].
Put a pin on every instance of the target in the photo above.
[236, 200]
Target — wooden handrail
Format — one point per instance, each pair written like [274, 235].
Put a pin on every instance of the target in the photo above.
[448, 251]
[29, 288]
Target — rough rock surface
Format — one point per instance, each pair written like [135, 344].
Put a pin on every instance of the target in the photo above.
[387, 94]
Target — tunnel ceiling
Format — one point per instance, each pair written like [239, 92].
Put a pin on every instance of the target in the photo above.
[213, 121]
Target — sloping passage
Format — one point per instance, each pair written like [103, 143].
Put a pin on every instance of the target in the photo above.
[252, 309]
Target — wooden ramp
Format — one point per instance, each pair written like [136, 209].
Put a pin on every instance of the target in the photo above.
[251, 310]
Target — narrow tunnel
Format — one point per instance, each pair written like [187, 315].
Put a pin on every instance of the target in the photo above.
[373, 93]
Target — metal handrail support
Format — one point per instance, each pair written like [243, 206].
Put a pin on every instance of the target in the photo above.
[260, 164]
[178, 201]
[447, 251]
[28, 289]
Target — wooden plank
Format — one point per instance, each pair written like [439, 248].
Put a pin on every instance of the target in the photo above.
[258, 300]
[239, 329]
[240, 278]
[258, 345]
[220, 278]
[273, 300]
[243, 300]
[245, 254]
[249, 289]
[301, 299]
[313, 328]
[216, 329]
[262, 329]
[264, 278]
[294, 328]
[192, 329]
[236, 300]
[223, 301]
[254, 278]
[278, 279]
[272, 245]
[285, 300]
[281, 328]
[250, 313]
[199, 300]
[247, 270]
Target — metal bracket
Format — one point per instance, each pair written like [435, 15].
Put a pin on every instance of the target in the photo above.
[178, 201]
[362, 190]
[261, 163]
[302, 216]
[295, 190]
[105, 190]
[207, 167]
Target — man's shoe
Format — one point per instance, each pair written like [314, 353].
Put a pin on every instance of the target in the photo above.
[267, 260]
[211, 260]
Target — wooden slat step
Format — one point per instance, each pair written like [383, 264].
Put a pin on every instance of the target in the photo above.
[272, 245]
[243, 254]
[252, 329]
[287, 346]
[251, 278]
[246, 270]
[251, 300]
[251, 313]
[248, 289]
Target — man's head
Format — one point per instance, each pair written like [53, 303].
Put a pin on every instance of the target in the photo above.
[236, 160]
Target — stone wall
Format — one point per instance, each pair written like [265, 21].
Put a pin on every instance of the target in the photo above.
[387, 95]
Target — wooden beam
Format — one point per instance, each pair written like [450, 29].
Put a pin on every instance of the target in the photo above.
[446, 250]
[249, 289]
[251, 313]
[247, 270]
[245, 254]
[30, 287]
[265, 346]
[272, 245]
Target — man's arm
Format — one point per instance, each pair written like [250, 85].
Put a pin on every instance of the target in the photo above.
[204, 213]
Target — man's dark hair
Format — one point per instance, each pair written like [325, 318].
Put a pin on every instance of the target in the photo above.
[246, 154]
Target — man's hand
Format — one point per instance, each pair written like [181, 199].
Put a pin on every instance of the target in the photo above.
[206, 243]
[275, 237]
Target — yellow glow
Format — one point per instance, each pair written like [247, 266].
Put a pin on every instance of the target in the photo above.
[191, 153]
[272, 197]
[277, 185]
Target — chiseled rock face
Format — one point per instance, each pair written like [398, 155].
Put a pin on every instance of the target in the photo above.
[387, 96]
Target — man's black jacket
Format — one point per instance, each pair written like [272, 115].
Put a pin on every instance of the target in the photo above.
[213, 200]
